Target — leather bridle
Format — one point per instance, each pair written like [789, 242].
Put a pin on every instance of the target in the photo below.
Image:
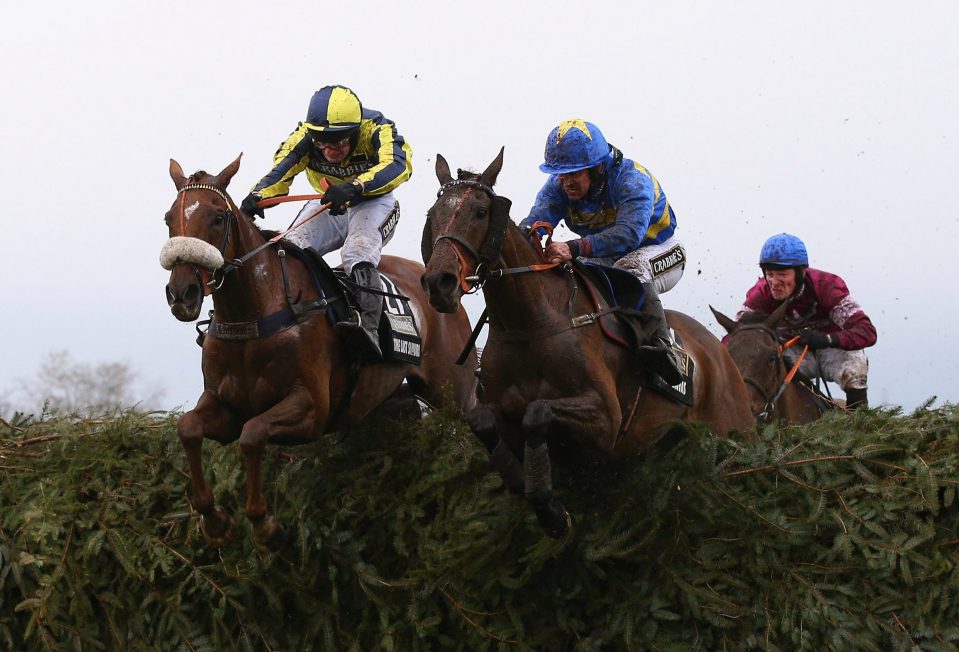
[219, 274]
[768, 397]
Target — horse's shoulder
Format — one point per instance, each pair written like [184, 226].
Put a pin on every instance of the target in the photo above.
[401, 266]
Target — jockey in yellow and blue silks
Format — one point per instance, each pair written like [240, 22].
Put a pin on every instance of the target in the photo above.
[362, 156]
[622, 216]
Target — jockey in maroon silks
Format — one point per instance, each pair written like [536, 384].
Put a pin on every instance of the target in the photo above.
[821, 313]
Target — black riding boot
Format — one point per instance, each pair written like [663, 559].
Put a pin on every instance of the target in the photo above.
[856, 398]
[362, 329]
[658, 353]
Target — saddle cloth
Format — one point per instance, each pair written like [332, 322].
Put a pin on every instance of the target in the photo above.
[683, 392]
[400, 339]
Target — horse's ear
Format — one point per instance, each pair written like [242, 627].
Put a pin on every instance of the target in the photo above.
[724, 321]
[222, 180]
[176, 173]
[773, 320]
[488, 178]
[443, 170]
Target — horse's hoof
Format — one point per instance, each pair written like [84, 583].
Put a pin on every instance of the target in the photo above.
[554, 519]
[218, 528]
[269, 534]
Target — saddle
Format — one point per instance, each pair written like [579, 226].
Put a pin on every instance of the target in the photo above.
[625, 295]
[400, 339]
[399, 334]
[623, 292]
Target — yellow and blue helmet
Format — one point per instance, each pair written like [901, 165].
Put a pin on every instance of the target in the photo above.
[574, 145]
[334, 109]
[782, 251]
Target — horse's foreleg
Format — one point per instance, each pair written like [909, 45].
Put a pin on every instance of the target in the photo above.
[208, 417]
[483, 422]
[292, 417]
[550, 513]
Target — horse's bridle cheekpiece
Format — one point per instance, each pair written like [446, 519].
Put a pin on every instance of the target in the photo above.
[492, 246]
[220, 273]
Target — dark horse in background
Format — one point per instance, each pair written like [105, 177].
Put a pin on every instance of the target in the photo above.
[757, 350]
[274, 371]
[552, 379]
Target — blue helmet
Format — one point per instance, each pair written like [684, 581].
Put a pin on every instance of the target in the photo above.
[784, 250]
[574, 145]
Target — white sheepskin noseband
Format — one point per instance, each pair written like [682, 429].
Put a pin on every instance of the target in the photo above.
[181, 249]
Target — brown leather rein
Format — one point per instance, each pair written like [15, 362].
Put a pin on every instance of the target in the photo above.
[477, 268]
[770, 399]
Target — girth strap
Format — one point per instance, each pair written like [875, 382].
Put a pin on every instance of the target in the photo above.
[251, 330]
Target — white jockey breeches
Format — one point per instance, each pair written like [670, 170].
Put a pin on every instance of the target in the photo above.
[361, 232]
[848, 369]
[660, 264]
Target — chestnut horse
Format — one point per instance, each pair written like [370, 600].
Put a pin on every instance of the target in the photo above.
[552, 380]
[757, 350]
[274, 371]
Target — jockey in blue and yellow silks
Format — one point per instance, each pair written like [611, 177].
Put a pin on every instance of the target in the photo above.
[623, 209]
[360, 154]
[621, 215]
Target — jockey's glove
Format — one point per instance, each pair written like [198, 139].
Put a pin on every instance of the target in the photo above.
[248, 205]
[340, 196]
[818, 340]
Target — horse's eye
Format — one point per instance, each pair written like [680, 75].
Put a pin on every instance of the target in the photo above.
[773, 358]
[482, 212]
[219, 217]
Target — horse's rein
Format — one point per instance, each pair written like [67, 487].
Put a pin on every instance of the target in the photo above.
[273, 201]
[768, 408]
[219, 275]
[782, 349]
[472, 282]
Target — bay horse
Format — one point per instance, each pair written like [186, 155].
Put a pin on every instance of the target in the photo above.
[274, 371]
[552, 379]
[757, 350]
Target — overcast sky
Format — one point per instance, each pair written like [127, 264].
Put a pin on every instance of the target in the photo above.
[834, 121]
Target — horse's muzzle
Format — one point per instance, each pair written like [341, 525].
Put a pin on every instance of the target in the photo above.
[443, 289]
[184, 298]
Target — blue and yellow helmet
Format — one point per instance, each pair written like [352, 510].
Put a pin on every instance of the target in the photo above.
[333, 109]
[574, 145]
[783, 250]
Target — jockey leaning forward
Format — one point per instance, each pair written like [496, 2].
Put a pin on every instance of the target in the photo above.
[821, 312]
[359, 153]
[622, 218]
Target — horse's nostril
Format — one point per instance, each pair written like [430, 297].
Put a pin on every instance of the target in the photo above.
[448, 282]
[183, 295]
